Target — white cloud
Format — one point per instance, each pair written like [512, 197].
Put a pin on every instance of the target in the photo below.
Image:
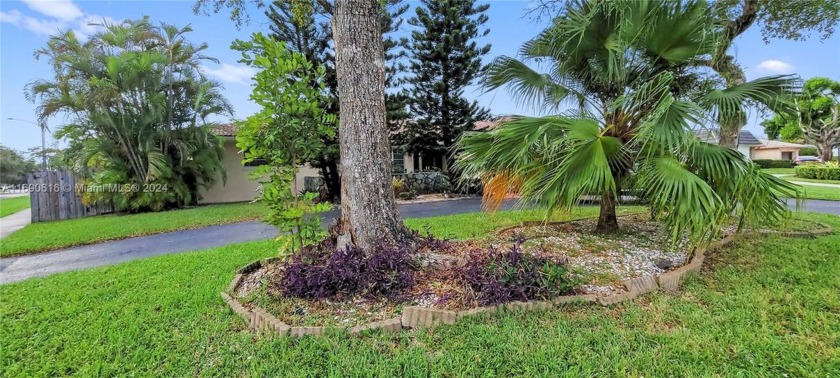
[60, 9]
[231, 73]
[13, 17]
[35, 25]
[60, 15]
[775, 67]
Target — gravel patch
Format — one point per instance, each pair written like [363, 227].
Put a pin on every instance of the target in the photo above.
[640, 248]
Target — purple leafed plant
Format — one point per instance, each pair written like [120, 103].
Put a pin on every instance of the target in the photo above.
[323, 271]
[503, 276]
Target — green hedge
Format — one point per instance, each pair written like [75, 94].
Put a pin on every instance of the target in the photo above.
[773, 163]
[808, 151]
[819, 171]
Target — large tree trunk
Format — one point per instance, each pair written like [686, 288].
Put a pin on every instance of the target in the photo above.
[825, 149]
[607, 220]
[368, 208]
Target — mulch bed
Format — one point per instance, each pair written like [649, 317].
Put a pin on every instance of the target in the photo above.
[599, 262]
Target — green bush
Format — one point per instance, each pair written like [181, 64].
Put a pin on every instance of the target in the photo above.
[808, 151]
[773, 163]
[827, 171]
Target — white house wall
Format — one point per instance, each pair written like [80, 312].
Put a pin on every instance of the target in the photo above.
[239, 186]
[744, 149]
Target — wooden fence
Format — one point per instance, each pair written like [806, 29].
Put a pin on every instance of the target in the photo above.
[56, 195]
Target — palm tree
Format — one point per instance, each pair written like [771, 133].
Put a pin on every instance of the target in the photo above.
[626, 70]
[139, 107]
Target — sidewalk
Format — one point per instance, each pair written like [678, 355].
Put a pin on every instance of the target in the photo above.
[14, 222]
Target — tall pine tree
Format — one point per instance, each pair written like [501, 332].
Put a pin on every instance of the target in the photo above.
[445, 59]
[305, 27]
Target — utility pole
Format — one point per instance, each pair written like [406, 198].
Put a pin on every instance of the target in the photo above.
[43, 126]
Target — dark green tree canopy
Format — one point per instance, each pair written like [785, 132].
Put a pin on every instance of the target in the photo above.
[445, 60]
[14, 166]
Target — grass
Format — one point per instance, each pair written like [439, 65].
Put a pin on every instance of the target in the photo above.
[794, 178]
[808, 191]
[820, 193]
[472, 225]
[39, 237]
[778, 171]
[9, 206]
[766, 306]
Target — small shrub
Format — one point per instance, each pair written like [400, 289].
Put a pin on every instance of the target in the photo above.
[407, 195]
[502, 276]
[773, 163]
[825, 171]
[398, 185]
[324, 271]
[808, 151]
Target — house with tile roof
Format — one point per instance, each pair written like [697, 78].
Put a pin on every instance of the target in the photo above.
[754, 148]
[744, 143]
[777, 150]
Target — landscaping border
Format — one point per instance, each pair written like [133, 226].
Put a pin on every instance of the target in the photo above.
[415, 317]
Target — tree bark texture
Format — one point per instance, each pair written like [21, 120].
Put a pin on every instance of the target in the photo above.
[607, 220]
[368, 209]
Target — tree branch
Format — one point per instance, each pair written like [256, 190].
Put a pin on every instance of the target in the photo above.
[734, 28]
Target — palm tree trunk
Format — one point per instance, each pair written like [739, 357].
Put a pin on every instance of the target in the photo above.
[368, 208]
[732, 123]
[607, 220]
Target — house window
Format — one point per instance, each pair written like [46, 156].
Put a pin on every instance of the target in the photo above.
[787, 155]
[397, 161]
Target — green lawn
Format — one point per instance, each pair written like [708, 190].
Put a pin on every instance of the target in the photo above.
[809, 192]
[766, 306]
[778, 171]
[9, 206]
[794, 178]
[39, 237]
[471, 225]
[820, 193]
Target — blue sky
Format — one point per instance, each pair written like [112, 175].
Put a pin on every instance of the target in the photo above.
[26, 26]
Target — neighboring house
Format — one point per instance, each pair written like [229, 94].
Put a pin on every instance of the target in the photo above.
[409, 162]
[777, 150]
[755, 149]
[745, 142]
[240, 187]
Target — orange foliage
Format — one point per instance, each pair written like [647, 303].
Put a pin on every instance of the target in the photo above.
[497, 187]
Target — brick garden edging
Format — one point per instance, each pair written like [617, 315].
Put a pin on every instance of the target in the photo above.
[415, 317]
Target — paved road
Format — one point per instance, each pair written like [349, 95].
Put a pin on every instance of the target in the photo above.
[817, 206]
[20, 268]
